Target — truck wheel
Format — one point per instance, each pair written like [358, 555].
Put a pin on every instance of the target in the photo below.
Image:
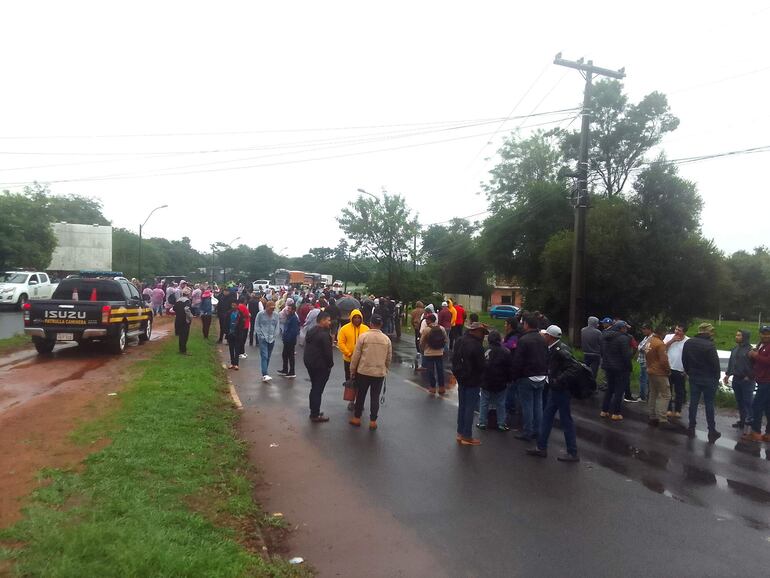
[118, 344]
[146, 331]
[22, 300]
[44, 346]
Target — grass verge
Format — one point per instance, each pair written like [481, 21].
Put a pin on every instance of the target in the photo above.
[169, 496]
[10, 344]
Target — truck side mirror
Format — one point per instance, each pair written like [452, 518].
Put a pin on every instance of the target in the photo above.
[33, 282]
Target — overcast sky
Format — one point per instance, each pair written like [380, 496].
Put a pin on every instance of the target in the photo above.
[254, 77]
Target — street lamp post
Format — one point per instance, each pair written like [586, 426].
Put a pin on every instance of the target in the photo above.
[139, 273]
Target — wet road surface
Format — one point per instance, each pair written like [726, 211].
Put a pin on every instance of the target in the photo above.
[10, 323]
[405, 498]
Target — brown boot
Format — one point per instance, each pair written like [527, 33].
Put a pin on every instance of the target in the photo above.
[442, 391]
[372, 425]
[432, 390]
[355, 421]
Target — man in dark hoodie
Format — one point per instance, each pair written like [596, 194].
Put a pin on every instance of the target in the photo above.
[701, 364]
[742, 372]
[319, 362]
[226, 297]
[497, 376]
[616, 361]
[530, 371]
[468, 367]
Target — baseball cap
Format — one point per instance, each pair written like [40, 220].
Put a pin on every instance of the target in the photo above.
[620, 324]
[764, 329]
[554, 331]
[607, 320]
[705, 328]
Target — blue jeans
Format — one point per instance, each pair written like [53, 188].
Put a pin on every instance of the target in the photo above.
[495, 399]
[434, 366]
[531, 398]
[558, 401]
[708, 388]
[744, 395]
[265, 351]
[761, 406]
[468, 397]
[644, 382]
[511, 397]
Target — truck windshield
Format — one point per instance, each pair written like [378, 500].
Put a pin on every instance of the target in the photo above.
[13, 278]
[88, 290]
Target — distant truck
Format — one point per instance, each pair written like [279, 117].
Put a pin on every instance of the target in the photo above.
[107, 309]
[19, 287]
[327, 280]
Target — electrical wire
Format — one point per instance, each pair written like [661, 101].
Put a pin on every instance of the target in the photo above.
[293, 161]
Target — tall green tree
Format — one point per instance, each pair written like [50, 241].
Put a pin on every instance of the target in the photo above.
[621, 134]
[26, 237]
[384, 230]
[451, 255]
[75, 209]
[749, 276]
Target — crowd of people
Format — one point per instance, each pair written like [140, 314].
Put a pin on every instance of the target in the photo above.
[527, 372]
[521, 380]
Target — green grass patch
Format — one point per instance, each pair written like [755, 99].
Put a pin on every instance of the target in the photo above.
[13, 343]
[169, 496]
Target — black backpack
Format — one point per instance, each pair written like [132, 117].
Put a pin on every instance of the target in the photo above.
[436, 338]
[172, 298]
[582, 383]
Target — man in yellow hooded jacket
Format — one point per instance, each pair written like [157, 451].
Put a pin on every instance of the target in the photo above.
[453, 331]
[347, 338]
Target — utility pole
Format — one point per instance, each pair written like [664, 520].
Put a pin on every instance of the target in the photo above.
[578, 284]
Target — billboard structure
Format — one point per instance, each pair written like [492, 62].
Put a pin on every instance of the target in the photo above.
[80, 247]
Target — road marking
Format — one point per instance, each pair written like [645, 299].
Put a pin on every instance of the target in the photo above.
[234, 396]
[441, 397]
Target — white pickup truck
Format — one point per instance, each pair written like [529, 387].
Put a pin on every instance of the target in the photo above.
[18, 287]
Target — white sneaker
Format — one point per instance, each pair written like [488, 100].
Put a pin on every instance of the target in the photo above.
[243, 355]
[266, 378]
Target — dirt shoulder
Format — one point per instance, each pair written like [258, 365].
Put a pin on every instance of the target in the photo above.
[42, 400]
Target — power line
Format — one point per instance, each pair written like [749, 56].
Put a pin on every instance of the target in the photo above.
[244, 132]
[293, 161]
[509, 116]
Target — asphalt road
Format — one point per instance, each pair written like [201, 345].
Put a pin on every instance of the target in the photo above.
[406, 500]
[10, 324]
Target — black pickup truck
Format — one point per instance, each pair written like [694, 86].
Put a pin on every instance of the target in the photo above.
[82, 309]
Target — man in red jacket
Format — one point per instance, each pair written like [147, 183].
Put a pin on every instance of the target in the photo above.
[760, 356]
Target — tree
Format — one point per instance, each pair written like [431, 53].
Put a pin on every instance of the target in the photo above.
[514, 237]
[75, 209]
[749, 294]
[26, 238]
[451, 255]
[383, 229]
[522, 162]
[621, 133]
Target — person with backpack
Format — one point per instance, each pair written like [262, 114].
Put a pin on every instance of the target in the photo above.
[468, 367]
[562, 372]
[431, 342]
[182, 319]
[497, 376]
[236, 329]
